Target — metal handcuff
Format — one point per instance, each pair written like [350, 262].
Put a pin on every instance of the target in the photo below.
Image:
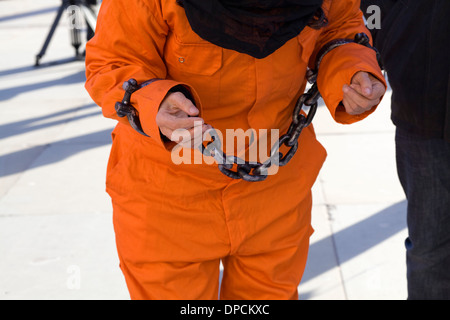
[254, 171]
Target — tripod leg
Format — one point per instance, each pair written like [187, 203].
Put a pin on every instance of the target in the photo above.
[90, 18]
[75, 30]
[50, 34]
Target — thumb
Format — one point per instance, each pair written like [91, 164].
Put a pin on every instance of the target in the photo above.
[178, 101]
[363, 80]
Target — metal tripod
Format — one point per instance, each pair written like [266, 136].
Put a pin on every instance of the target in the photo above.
[85, 8]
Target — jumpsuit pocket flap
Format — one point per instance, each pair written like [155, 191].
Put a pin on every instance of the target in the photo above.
[194, 58]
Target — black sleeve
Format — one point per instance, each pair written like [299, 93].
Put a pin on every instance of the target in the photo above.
[385, 8]
[384, 5]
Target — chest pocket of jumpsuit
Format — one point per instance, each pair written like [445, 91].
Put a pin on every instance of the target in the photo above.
[190, 59]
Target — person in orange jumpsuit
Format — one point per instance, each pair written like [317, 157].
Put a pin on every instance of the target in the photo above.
[243, 67]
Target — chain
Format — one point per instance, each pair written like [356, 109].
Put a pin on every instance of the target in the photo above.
[255, 171]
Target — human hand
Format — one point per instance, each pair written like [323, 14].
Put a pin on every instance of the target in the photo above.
[364, 92]
[178, 112]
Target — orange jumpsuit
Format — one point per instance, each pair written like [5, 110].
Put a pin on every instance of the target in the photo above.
[175, 223]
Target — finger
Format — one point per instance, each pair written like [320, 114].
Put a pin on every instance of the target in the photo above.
[183, 123]
[357, 88]
[167, 127]
[378, 90]
[165, 118]
[362, 102]
[177, 101]
[350, 106]
[197, 135]
[189, 137]
[363, 80]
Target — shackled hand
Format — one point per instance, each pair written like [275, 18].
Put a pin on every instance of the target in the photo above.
[364, 93]
[177, 112]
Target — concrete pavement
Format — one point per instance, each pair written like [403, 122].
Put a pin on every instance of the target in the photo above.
[56, 237]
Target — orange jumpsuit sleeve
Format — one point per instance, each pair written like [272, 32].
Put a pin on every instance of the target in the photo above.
[341, 64]
[129, 43]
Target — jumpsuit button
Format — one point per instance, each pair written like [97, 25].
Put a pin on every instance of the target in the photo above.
[181, 59]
